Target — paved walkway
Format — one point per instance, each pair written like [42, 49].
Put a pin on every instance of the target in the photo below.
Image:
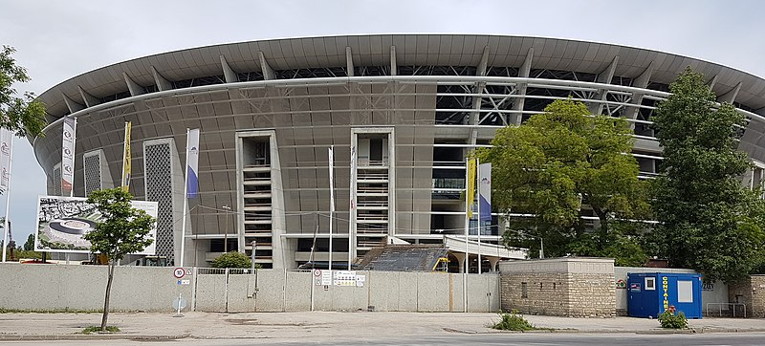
[289, 326]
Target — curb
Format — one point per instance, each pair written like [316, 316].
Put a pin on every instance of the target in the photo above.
[544, 330]
[134, 337]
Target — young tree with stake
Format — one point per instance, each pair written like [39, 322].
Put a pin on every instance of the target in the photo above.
[124, 230]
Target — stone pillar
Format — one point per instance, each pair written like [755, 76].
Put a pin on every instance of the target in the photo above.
[750, 291]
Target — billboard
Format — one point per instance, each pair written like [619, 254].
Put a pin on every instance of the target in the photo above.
[63, 221]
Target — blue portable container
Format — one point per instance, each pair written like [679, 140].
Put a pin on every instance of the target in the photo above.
[650, 294]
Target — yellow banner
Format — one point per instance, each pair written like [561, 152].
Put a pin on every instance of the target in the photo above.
[126, 158]
[470, 191]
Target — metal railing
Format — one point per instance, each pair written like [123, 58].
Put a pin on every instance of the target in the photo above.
[731, 306]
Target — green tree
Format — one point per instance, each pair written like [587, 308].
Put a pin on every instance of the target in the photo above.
[708, 220]
[22, 115]
[124, 230]
[556, 163]
[232, 260]
[29, 245]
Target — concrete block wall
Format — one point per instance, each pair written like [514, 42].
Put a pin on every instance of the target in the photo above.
[751, 292]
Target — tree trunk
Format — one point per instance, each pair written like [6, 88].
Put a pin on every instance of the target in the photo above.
[105, 316]
[603, 231]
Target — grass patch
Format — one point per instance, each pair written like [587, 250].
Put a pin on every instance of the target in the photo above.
[97, 329]
[513, 321]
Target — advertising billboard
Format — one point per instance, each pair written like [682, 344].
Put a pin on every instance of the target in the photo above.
[63, 221]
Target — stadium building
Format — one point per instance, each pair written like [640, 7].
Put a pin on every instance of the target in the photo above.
[412, 106]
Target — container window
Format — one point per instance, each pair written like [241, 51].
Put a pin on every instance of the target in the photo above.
[650, 284]
[684, 291]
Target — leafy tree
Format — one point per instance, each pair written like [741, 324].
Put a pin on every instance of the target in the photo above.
[29, 245]
[558, 161]
[124, 230]
[709, 221]
[232, 260]
[22, 115]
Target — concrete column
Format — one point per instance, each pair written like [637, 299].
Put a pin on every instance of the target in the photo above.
[493, 263]
[460, 259]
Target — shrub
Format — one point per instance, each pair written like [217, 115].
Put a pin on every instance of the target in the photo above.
[669, 319]
[232, 260]
[513, 321]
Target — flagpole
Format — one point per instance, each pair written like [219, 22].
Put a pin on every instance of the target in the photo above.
[74, 158]
[352, 205]
[330, 153]
[478, 191]
[467, 226]
[185, 203]
[7, 198]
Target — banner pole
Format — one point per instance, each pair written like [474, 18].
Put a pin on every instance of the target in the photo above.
[185, 203]
[6, 229]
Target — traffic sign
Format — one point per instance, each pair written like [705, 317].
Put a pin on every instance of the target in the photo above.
[179, 273]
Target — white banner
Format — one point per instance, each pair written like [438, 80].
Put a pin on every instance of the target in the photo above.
[63, 221]
[6, 145]
[192, 163]
[67, 155]
[484, 192]
[353, 178]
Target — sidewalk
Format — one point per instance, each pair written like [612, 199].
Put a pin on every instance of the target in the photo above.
[297, 326]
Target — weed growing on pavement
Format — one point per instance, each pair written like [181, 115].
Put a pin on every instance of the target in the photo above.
[97, 329]
[669, 319]
[513, 321]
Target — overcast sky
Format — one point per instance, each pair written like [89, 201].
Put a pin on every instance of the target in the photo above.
[57, 40]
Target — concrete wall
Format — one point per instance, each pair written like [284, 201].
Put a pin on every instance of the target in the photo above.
[73, 287]
[572, 287]
[714, 293]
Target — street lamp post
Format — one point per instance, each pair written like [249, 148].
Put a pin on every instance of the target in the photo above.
[225, 228]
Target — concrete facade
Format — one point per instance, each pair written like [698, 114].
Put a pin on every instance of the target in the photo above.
[78, 288]
[571, 287]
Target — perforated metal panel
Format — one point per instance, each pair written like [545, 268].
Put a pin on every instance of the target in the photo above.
[159, 189]
[56, 180]
[92, 166]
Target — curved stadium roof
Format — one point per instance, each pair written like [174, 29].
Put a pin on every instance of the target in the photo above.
[286, 57]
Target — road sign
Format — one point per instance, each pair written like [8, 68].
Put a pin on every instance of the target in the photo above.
[179, 303]
[179, 273]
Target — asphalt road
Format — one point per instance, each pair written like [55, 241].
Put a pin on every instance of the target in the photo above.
[543, 339]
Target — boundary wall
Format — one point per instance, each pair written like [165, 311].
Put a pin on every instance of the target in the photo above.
[81, 288]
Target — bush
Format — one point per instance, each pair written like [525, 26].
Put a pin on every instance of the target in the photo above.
[232, 260]
[669, 319]
[513, 321]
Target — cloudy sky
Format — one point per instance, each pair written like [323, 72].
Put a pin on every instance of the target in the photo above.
[57, 40]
